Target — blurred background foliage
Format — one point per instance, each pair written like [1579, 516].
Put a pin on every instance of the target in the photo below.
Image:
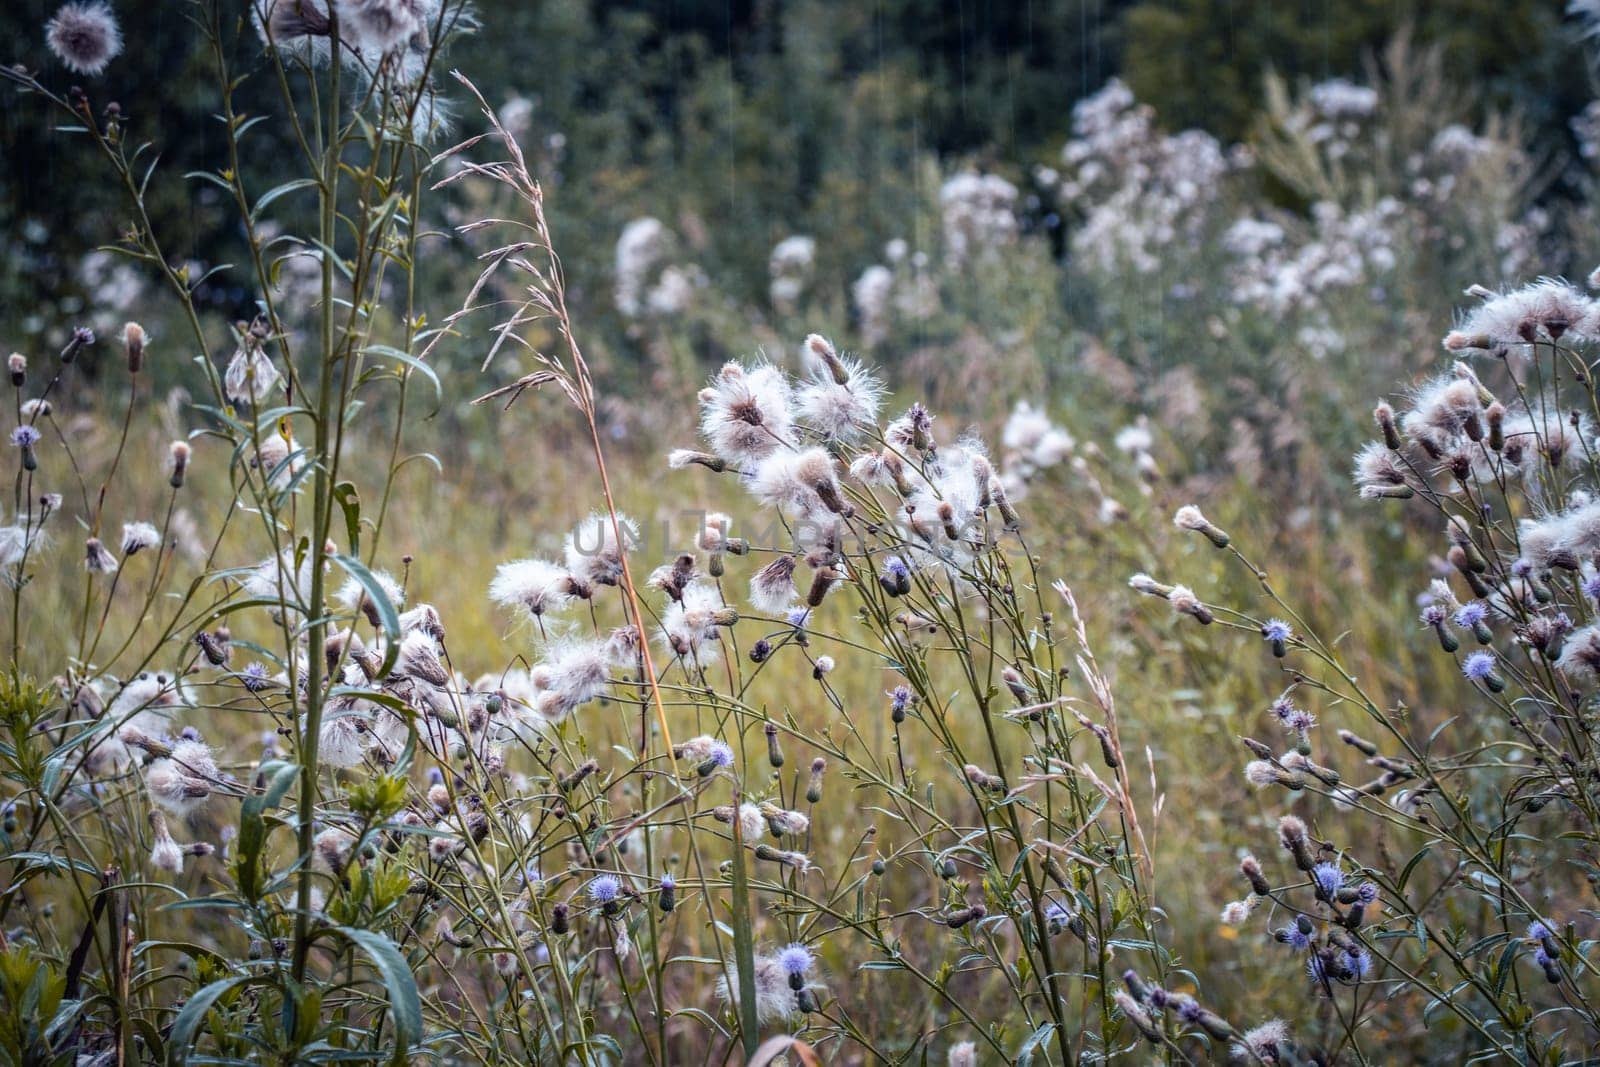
[740, 123]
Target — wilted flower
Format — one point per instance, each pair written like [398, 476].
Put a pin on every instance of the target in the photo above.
[85, 37]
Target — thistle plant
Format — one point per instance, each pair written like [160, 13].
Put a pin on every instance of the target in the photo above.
[1438, 864]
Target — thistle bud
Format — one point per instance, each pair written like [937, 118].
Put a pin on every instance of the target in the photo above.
[814, 788]
[1360, 744]
[821, 582]
[1383, 415]
[982, 779]
[683, 457]
[1250, 867]
[1002, 501]
[1495, 415]
[958, 919]
[1143, 583]
[760, 650]
[133, 339]
[1013, 682]
[81, 338]
[18, 365]
[774, 753]
[180, 452]
[667, 897]
[1190, 517]
[1292, 835]
[823, 349]
[570, 782]
[559, 921]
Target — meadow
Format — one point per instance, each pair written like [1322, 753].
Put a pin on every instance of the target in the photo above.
[1136, 604]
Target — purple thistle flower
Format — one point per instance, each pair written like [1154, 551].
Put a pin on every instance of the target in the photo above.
[1360, 961]
[254, 677]
[1538, 931]
[1591, 586]
[795, 959]
[1366, 893]
[1471, 614]
[1276, 630]
[1189, 1010]
[25, 436]
[605, 889]
[1479, 667]
[1541, 957]
[1434, 615]
[895, 567]
[1291, 717]
[1294, 937]
[1328, 878]
[721, 754]
[798, 617]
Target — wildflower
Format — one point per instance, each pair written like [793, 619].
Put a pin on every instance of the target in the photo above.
[1292, 717]
[689, 626]
[1143, 583]
[895, 578]
[1517, 318]
[17, 366]
[572, 674]
[711, 754]
[25, 437]
[1327, 878]
[85, 37]
[298, 27]
[182, 781]
[1295, 936]
[1190, 517]
[354, 595]
[667, 894]
[382, 26]
[97, 558]
[254, 677]
[1480, 667]
[1251, 868]
[800, 484]
[746, 417]
[137, 536]
[1442, 414]
[795, 960]
[774, 998]
[342, 739]
[165, 854]
[772, 588]
[593, 551]
[606, 891]
[749, 817]
[278, 581]
[962, 1054]
[1236, 912]
[841, 398]
[1292, 835]
[1278, 634]
[1473, 616]
[821, 666]
[179, 453]
[814, 786]
[682, 458]
[1184, 602]
[133, 342]
[1265, 1042]
[899, 700]
[1580, 655]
